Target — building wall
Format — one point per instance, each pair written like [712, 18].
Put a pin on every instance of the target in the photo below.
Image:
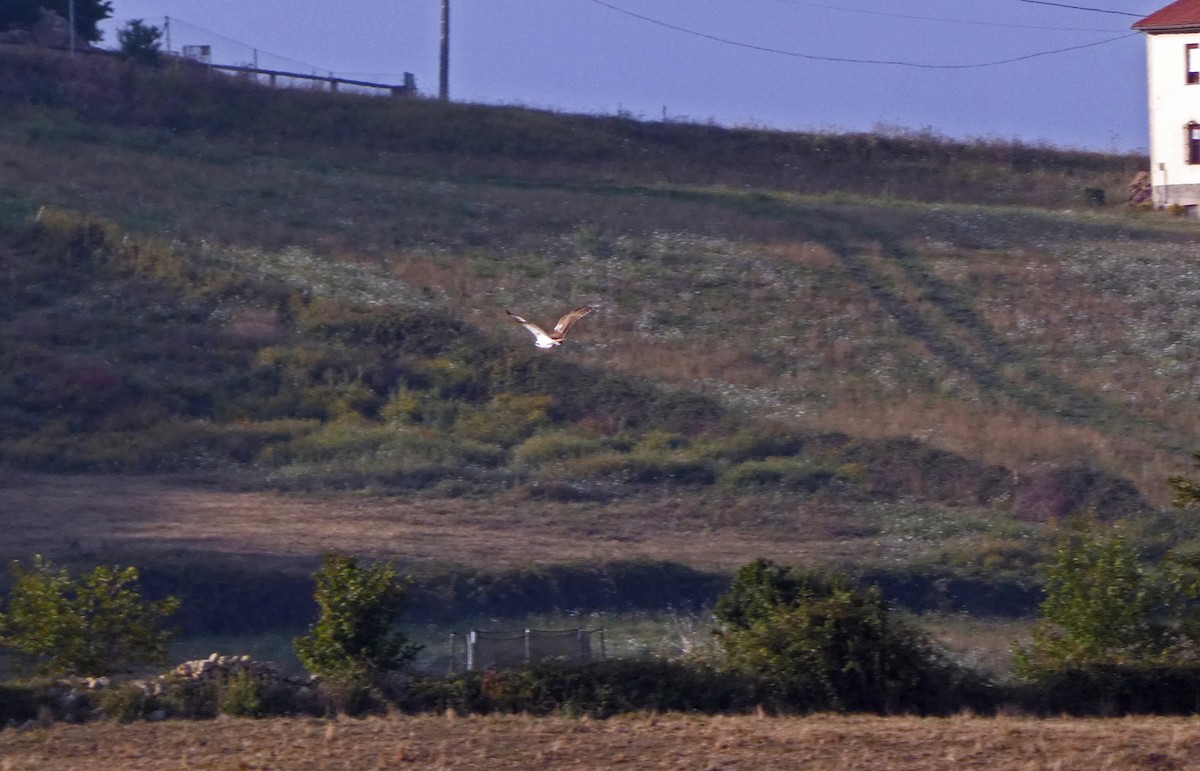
[1174, 103]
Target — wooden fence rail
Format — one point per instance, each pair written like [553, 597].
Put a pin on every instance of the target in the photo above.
[408, 88]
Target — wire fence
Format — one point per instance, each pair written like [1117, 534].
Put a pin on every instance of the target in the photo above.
[220, 52]
[482, 650]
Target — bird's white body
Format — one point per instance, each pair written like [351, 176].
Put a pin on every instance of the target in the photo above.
[543, 340]
[546, 340]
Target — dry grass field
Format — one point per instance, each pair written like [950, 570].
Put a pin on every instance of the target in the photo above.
[148, 518]
[639, 741]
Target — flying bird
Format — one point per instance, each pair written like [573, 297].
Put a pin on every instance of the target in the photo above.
[555, 337]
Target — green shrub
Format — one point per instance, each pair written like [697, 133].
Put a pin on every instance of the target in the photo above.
[1102, 606]
[243, 696]
[352, 641]
[824, 644]
[507, 420]
[656, 443]
[643, 469]
[95, 625]
[125, 702]
[554, 446]
[351, 440]
[794, 474]
[191, 699]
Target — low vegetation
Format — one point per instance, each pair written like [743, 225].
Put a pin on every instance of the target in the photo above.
[97, 624]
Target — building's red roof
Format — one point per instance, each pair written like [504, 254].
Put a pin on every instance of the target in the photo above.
[1180, 15]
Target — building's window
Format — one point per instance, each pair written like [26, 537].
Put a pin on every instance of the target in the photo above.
[1193, 62]
[1193, 143]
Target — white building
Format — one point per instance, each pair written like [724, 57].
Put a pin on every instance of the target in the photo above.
[1173, 70]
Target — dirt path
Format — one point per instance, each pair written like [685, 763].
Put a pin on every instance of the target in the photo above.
[667, 741]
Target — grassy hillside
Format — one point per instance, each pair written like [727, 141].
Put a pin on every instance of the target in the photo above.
[920, 347]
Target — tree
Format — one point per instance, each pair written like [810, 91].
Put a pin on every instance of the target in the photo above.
[352, 639]
[88, 14]
[823, 643]
[140, 42]
[1102, 606]
[95, 625]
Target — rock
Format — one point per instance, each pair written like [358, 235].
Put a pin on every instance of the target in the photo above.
[157, 716]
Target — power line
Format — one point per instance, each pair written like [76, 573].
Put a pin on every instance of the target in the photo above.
[1082, 8]
[972, 22]
[850, 60]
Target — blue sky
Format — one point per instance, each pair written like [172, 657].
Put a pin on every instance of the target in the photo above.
[732, 62]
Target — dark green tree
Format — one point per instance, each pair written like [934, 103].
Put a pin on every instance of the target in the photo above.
[140, 42]
[824, 644]
[353, 640]
[23, 14]
[98, 624]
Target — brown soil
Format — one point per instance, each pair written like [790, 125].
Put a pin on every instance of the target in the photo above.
[144, 518]
[666, 741]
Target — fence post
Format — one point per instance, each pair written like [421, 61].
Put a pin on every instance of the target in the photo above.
[528, 652]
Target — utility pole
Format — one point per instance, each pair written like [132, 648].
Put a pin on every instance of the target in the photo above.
[444, 70]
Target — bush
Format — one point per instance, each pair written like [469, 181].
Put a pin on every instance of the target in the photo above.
[507, 420]
[125, 702]
[553, 446]
[140, 42]
[95, 625]
[243, 696]
[643, 469]
[352, 641]
[598, 689]
[1111, 690]
[1101, 607]
[795, 474]
[823, 644]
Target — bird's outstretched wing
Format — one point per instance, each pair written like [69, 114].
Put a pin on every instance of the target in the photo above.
[543, 340]
[566, 322]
